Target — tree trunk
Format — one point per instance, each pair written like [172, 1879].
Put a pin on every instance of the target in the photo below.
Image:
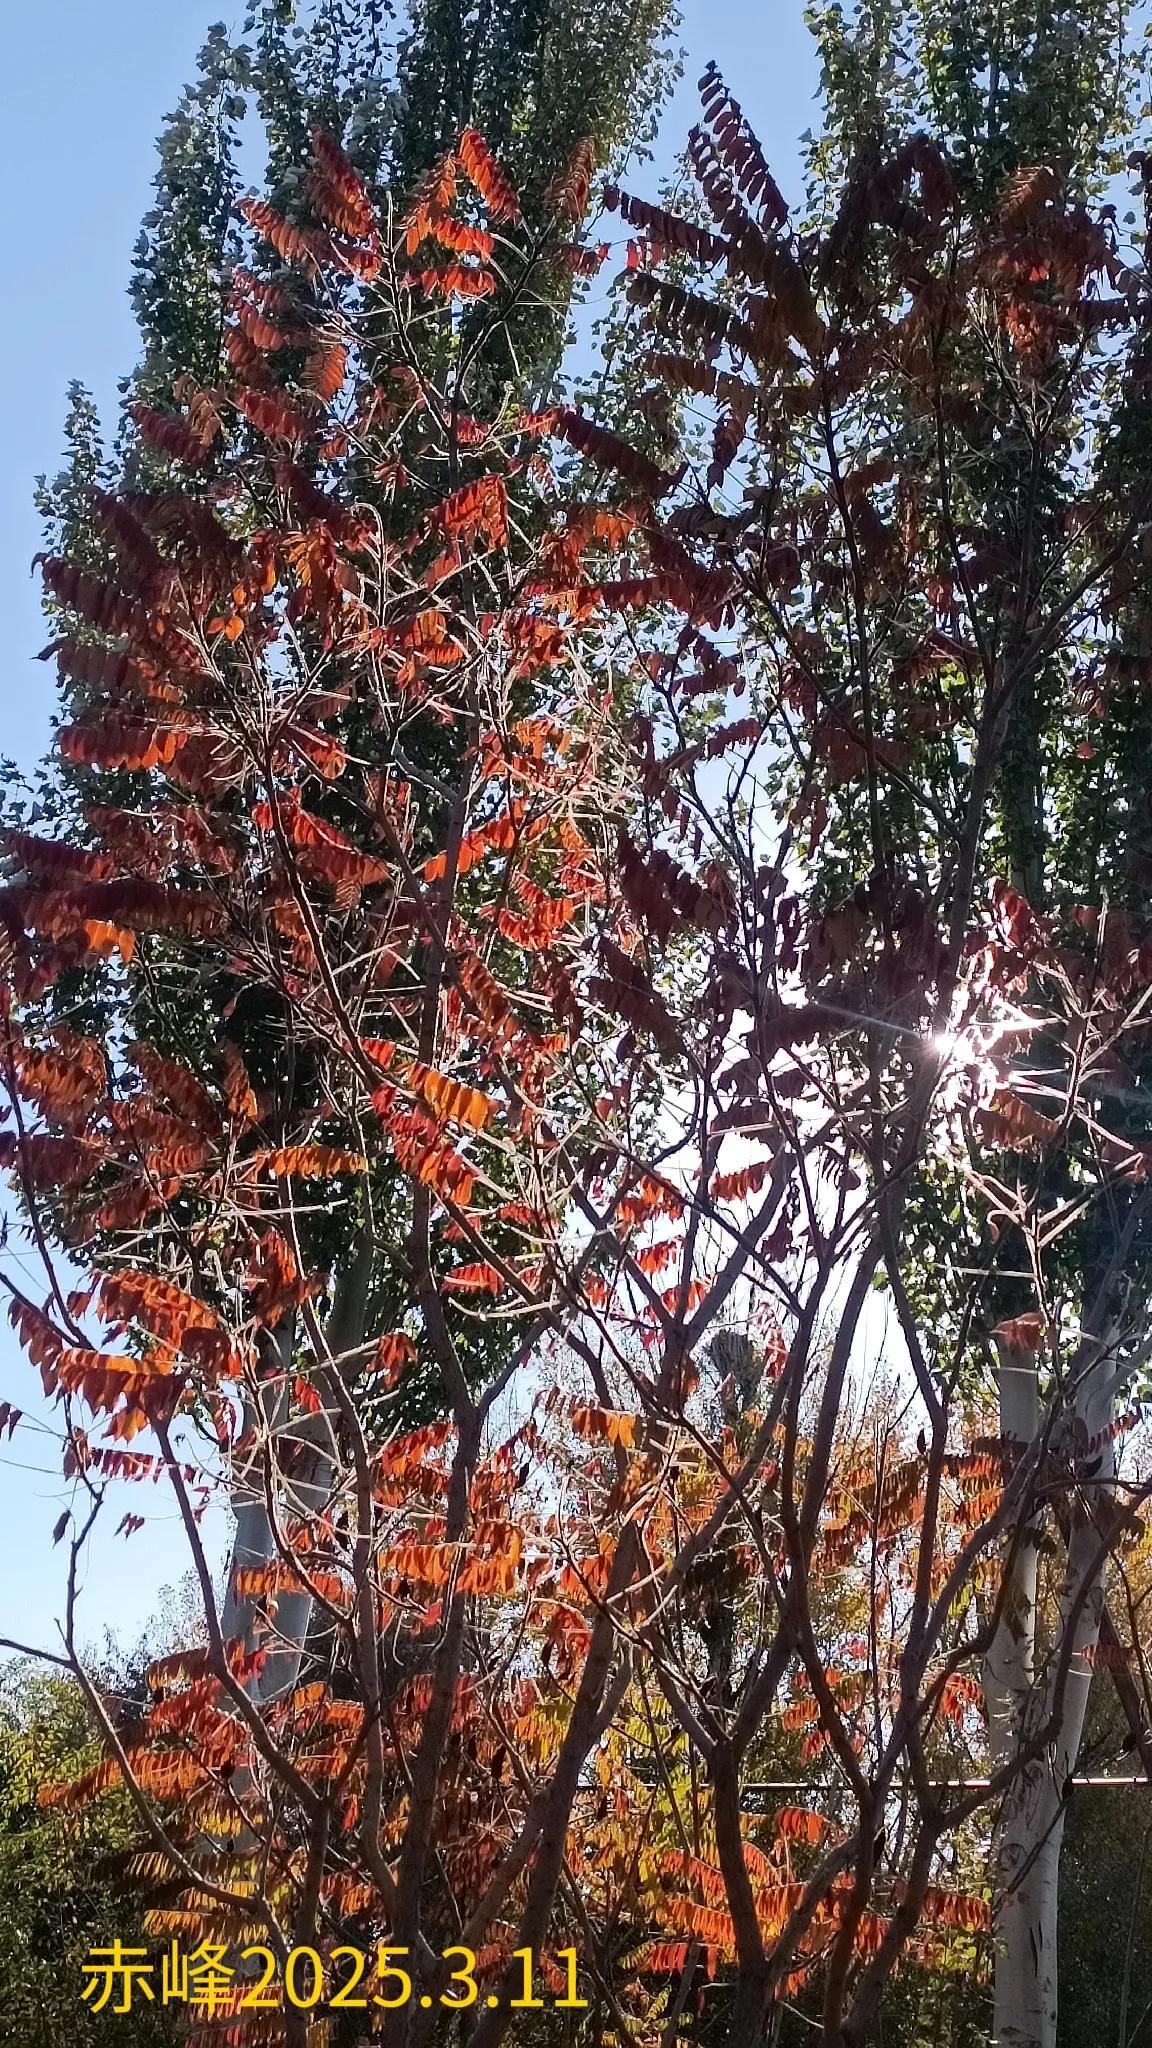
[254, 1542]
[1027, 1873]
[1045, 1711]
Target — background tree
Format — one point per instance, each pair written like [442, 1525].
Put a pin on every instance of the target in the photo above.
[1007, 91]
[1015, 478]
[550, 81]
[63, 1876]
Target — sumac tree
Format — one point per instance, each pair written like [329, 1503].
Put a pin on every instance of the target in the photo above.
[673, 1005]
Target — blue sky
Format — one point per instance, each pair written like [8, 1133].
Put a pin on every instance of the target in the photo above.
[86, 88]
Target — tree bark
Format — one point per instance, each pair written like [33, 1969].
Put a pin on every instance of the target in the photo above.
[1044, 1714]
[254, 1542]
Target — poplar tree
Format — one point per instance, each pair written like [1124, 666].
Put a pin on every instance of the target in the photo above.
[1038, 112]
[553, 84]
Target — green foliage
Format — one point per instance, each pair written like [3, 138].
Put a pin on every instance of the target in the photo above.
[1000, 85]
[62, 500]
[533, 77]
[1003, 85]
[327, 63]
[187, 238]
[1106, 1915]
[60, 1890]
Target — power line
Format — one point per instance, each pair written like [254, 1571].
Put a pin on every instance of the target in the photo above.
[939, 1784]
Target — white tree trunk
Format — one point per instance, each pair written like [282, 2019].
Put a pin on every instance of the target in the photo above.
[1022, 1702]
[1010, 1668]
[254, 1542]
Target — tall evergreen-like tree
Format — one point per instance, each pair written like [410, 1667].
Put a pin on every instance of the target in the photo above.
[1038, 111]
[539, 79]
[556, 85]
